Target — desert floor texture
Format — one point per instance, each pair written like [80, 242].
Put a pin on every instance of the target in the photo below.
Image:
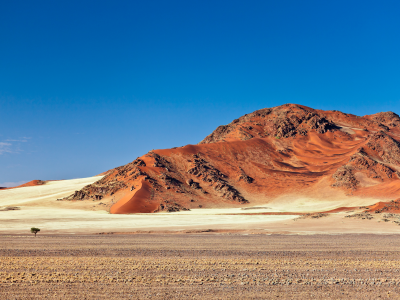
[200, 265]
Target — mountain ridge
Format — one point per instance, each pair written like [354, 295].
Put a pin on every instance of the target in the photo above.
[285, 150]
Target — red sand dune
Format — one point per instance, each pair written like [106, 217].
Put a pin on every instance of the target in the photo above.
[285, 150]
[385, 207]
[30, 183]
[136, 201]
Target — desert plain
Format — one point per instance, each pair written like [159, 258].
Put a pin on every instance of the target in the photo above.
[277, 251]
[200, 265]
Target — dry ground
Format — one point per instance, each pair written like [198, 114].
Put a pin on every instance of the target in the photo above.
[199, 266]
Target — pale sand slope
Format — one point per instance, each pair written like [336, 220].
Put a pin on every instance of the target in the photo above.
[49, 191]
[99, 221]
[40, 208]
[81, 221]
[293, 203]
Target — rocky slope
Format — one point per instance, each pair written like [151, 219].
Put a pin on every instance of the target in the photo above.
[285, 150]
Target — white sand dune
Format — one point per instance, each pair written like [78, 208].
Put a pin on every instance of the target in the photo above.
[98, 221]
[49, 191]
[39, 208]
[308, 204]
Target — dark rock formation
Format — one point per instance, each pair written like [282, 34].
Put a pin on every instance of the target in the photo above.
[345, 178]
[207, 173]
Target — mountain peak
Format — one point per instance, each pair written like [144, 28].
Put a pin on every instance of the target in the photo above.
[270, 153]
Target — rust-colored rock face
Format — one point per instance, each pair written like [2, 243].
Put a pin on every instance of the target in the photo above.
[285, 150]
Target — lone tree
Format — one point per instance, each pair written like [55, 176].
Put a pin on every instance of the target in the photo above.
[35, 230]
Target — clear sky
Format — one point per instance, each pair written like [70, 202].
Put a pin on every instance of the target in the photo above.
[86, 86]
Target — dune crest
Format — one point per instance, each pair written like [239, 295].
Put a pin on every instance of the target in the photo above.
[137, 201]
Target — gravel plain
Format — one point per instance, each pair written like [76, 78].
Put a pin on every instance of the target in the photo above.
[199, 266]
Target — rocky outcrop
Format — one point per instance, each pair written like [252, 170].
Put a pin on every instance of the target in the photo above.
[245, 177]
[209, 174]
[218, 134]
[169, 181]
[111, 183]
[170, 206]
[160, 161]
[195, 185]
[374, 169]
[388, 119]
[385, 147]
[344, 177]
[98, 190]
[289, 149]
[375, 159]
[301, 124]
[283, 121]
[385, 207]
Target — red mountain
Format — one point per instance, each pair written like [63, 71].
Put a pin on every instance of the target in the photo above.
[285, 150]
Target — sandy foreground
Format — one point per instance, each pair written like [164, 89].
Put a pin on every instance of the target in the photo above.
[199, 266]
[38, 207]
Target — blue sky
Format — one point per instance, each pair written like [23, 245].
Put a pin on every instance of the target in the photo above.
[86, 86]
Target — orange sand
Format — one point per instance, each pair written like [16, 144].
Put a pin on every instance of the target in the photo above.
[30, 183]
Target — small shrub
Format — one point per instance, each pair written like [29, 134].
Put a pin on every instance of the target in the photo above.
[35, 230]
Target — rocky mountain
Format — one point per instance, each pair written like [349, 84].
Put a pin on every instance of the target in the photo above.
[285, 150]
